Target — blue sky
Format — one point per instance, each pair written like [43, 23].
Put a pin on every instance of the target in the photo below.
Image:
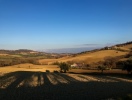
[55, 24]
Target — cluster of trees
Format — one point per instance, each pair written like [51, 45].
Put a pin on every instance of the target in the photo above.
[114, 62]
[107, 64]
[126, 65]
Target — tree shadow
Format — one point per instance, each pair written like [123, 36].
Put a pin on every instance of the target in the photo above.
[67, 87]
[105, 74]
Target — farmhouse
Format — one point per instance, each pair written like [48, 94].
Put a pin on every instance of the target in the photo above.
[77, 65]
[74, 65]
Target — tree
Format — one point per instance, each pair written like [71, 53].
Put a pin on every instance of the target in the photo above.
[102, 68]
[129, 54]
[128, 66]
[110, 62]
[64, 67]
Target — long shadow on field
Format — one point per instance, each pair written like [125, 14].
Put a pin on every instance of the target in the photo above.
[23, 85]
[105, 73]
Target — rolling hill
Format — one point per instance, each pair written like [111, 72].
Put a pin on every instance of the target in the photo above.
[94, 56]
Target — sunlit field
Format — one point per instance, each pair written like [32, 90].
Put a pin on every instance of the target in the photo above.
[45, 82]
[87, 57]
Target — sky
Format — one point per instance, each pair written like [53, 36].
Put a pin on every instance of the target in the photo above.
[64, 24]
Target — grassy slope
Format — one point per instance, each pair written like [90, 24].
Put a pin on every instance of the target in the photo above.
[90, 57]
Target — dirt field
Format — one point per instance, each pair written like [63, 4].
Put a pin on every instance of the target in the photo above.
[31, 82]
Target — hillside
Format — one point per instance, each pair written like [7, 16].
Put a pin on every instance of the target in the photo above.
[94, 55]
[86, 58]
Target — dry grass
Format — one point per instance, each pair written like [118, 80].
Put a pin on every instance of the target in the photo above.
[28, 67]
[87, 58]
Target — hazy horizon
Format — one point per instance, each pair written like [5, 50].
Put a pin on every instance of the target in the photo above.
[64, 24]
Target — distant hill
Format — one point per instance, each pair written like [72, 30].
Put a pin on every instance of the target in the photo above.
[30, 53]
[20, 51]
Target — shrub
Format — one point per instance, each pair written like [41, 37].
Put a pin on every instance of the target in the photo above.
[102, 68]
[110, 62]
